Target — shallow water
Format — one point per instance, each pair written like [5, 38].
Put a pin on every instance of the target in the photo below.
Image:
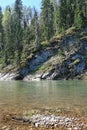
[20, 95]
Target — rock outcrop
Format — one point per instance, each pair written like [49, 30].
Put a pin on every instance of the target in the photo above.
[63, 58]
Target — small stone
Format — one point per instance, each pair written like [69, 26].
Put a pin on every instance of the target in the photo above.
[67, 120]
[8, 129]
[55, 125]
[31, 129]
[75, 128]
[4, 127]
[36, 124]
[69, 128]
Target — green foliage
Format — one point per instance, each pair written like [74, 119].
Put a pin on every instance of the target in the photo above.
[1, 28]
[8, 47]
[45, 43]
[47, 19]
[79, 20]
[18, 25]
[24, 31]
[37, 33]
[80, 14]
[60, 53]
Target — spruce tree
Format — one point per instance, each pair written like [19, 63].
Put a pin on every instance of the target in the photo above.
[8, 47]
[47, 19]
[55, 15]
[70, 11]
[1, 29]
[37, 31]
[80, 18]
[18, 26]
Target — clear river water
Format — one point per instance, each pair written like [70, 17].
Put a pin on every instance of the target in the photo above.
[21, 95]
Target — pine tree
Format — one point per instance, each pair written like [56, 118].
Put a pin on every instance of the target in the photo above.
[70, 11]
[80, 18]
[27, 14]
[8, 47]
[18, 26]
[55, 15]
[47, 19]
[1, 29]
[37, 31]
[62, 15]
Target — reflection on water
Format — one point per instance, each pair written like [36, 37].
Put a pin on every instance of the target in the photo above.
[44, 94]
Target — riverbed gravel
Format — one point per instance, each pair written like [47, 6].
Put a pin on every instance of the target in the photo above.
[53, 121]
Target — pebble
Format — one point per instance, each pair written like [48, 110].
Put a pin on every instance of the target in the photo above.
[69, 128]
[39, 120]
[76, 128]
[36, 124]
[49, 120]
[4, 127]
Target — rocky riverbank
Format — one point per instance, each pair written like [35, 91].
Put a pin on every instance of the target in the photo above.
[46, 121]
[7, 76]
[53, 121]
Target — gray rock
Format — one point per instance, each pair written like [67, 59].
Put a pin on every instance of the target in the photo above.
[8, 76]
[36, 77]
[39, 59]
[36, 124]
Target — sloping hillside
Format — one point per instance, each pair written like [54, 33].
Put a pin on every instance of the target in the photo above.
[63, 57]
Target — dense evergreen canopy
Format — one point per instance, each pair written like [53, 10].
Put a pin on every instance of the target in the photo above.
[22, 27]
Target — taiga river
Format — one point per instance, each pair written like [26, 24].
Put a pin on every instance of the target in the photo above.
[20, 95]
